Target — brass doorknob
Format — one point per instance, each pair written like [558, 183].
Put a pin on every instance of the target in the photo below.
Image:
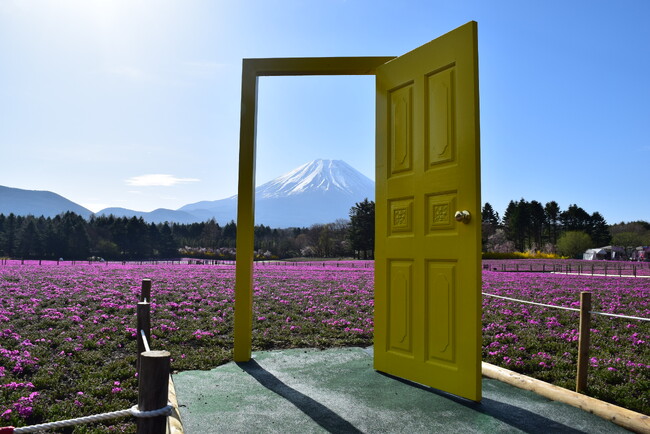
[463, 216]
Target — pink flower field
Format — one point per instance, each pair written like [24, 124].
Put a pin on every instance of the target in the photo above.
[67, 332]
[542, 342]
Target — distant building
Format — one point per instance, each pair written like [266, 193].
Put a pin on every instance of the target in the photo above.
[610, 253]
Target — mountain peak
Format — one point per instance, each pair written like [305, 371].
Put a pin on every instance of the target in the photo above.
[36, 203]
[317, 176]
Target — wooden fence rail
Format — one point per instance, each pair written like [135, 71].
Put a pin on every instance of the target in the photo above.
[602, 268]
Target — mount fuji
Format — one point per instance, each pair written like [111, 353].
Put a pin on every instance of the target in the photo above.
[320, 191]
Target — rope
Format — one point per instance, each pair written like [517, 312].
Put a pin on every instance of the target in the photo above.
[621, 316]
[145, 341]
[532, 302]
[566, 308]
[133, 411]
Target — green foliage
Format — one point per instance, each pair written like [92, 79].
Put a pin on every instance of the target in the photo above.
[552, 218]
[488, 215]
[574, 243]
[598, 230]
[362, 228]
[531, 226]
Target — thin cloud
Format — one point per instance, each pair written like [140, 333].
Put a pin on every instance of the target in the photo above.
[131, 73]
[158, 180]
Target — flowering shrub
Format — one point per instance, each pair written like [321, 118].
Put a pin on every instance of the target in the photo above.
[68, 348]
[542, 342]
[67, 332]
[520, 255]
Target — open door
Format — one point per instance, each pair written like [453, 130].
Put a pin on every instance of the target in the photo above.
[428, 221]
[427, 266]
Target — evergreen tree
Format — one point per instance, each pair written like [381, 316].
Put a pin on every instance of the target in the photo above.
[29, 242]
[362, 228]
[488, 215]
[489, 224]
[77, 243]
[230, 233]
[599, 230]
[167, 246]
[2, 235]
[210, 234]
[552, 218]
[537, 219]
[9, 239]
[516, 222]
[575, 219]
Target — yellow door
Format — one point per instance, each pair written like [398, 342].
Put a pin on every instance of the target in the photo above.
[428, 241]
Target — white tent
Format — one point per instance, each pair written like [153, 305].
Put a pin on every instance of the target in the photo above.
[594, 254]
[608, 252]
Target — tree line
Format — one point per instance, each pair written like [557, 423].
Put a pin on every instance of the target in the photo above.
[525, 226]
[531, 226]
[71, 237]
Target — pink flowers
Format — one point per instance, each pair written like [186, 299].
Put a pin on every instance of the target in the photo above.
[43, 309]
[24, 406]
[550, 336]
[116, 388]
[200, 334]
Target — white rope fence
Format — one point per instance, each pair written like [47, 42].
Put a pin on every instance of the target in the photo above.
[145, 342]
[133, 411]
[566, 308]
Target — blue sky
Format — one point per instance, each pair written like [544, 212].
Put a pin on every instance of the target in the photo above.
[136, 103]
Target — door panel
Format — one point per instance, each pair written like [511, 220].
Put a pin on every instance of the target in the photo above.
[427, 276]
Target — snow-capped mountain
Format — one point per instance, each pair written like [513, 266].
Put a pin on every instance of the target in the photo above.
[318, 175]
[320, 191]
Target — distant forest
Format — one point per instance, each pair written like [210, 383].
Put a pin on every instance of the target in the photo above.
[71, 237]
[525, 226]
[531, 226]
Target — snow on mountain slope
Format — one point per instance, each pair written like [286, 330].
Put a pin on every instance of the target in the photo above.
[320, 191]
[318, 175]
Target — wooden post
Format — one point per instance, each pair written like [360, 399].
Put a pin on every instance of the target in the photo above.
[583, 342]
[145, 293]
[144, 323]
[153, 390]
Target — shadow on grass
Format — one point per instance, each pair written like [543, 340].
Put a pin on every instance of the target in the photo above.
[320, 414]
[517, 417]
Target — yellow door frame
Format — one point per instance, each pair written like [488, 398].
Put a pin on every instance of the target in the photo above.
[251, 70]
